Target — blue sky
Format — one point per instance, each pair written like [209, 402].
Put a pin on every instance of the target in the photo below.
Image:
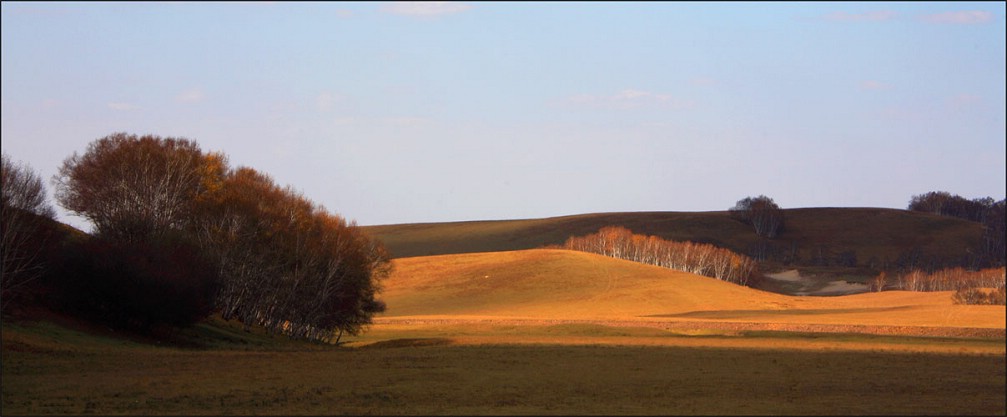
[422, 112]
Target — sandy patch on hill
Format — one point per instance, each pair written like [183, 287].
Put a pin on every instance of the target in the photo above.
[810, 286]
[791, 275]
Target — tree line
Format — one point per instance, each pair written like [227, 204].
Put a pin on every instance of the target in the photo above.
[991, 213]
[178, 234]
[24, 214]
[697, 258]
[984, 286]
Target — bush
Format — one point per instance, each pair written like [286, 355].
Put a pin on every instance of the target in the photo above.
[137, 286]
[979, 296]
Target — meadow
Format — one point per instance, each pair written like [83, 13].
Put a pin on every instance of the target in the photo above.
[439, 376]
[541, 332]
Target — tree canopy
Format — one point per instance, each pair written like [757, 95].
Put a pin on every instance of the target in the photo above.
[282, 261]
[760, 212]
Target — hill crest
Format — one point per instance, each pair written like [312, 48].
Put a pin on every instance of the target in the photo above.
[872, 238]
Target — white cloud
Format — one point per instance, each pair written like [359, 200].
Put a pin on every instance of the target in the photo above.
[627, 99]
[192, 95]
[424, 8]
[874, 16]
[965, 17]
[874, 85]
[121, 106]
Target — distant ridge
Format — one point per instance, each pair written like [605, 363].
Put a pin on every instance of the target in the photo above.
[867, 237]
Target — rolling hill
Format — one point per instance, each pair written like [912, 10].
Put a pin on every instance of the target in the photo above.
[556, 285]
[871, 237]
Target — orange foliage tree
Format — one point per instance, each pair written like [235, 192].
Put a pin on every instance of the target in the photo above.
[133, 187]
[951, 279]
[697, 258]
[284, 262]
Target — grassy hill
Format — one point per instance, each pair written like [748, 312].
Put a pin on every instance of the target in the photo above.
[549, 284]
[873, 237]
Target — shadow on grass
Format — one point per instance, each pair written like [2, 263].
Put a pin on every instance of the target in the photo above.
[736, 314]
[410, 342]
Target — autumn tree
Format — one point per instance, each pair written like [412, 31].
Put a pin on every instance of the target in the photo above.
[286, 263]
[132, 187]
[283, 261]
[23, 213]
[697, 258]
[761, 213]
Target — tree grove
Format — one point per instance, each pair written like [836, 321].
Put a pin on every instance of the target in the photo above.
[23, 211]
[283, 261]
[697, 258]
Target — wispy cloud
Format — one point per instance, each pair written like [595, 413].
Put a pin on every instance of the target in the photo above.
[424, 8]
[121, 106]
[964, 17]
[192, 95]
[873, 16]
[874, 85]
[627, 99]
[325, 101]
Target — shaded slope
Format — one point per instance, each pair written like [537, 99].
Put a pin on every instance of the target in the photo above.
[567, 285]
[873, 236]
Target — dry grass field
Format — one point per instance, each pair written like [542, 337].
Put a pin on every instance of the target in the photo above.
[52, 370]
[542, 332]
[560, 285]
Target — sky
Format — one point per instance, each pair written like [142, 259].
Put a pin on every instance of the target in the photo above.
[393, 112]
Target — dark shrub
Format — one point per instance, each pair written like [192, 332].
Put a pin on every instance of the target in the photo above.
[139, 285]
[978, 296]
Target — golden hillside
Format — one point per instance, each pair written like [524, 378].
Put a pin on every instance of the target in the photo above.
[566, 285]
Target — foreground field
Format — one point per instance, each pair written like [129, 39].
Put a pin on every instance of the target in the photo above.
[543, 332]
[42, 375]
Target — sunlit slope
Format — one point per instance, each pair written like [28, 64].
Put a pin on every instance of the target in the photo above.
[569, 285]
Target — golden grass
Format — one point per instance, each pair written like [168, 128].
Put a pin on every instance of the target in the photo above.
[545, 332]
[430, 376]
[567, 285]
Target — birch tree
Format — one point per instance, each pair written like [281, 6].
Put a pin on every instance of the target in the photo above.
[132, 187]
[23, 208]
[760, 212]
